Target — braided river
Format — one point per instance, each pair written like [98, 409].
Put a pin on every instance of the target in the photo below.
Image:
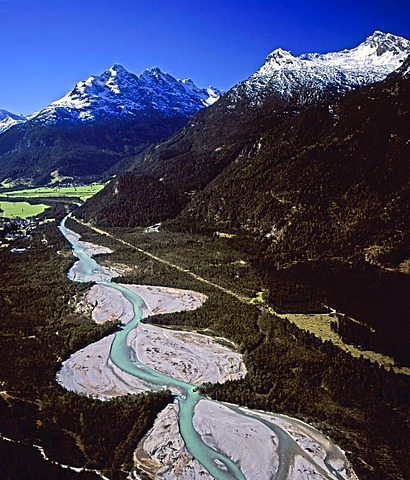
[221, 441]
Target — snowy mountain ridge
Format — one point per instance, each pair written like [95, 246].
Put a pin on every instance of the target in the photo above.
[123, 95]
[8, 119]
[101, 121]
[309, 76]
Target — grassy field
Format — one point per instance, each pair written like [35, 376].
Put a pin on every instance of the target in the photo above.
[320, 326]
[82, 192]
[21, 209]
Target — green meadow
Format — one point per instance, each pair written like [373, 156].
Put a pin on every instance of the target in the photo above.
[21, 209]
[82, 192]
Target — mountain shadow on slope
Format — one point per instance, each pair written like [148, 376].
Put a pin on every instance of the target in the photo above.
[327, 194]
[34, 150]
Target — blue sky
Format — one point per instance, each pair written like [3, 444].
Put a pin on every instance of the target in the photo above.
[48, 45]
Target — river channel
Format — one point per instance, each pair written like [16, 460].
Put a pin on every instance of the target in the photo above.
[331, 465]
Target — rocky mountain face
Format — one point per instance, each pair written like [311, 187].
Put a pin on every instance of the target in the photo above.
[121, 95]
[102, 120]
[7, 120]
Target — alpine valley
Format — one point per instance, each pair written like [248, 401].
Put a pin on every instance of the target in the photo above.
[266, 231]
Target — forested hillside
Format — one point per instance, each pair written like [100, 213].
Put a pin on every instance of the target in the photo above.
[321, 194]
[135, 200]
[328, 181]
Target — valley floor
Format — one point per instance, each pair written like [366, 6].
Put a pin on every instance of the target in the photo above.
[261, 444]
[318, 324]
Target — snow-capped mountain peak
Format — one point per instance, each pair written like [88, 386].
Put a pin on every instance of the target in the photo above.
[214, 94]
[380, 43]
[378, 50]
[118, 69]
[279, 58]
[287, 76]
[117, 93]
[8, 120]
[155, 76]
[209, 95]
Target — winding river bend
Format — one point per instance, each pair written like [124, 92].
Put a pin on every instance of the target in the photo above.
[296, 449]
